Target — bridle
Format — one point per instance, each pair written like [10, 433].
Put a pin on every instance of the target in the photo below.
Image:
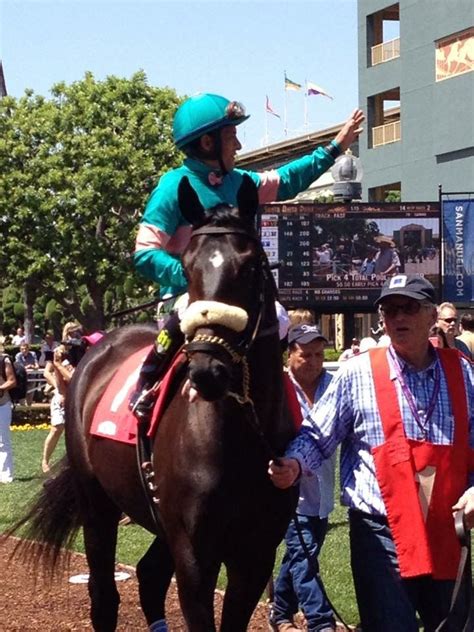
[218, 346]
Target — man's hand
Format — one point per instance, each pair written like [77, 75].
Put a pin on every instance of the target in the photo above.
[351, 130]
[284, 473]
[466, 502]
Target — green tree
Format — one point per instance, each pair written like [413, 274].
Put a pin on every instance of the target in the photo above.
[75, 171]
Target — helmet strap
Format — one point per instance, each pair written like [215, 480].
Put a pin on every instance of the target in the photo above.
[216, 136]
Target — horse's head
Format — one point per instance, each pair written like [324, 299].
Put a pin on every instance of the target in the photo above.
[227, 273]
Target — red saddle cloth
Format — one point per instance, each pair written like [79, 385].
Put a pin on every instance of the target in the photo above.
[112, 417]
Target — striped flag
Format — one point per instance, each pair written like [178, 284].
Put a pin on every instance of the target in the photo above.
[312, 88]
[269, 109]
[291, 85]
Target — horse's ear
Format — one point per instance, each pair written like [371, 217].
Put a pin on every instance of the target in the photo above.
[247, 199]
[189, 204]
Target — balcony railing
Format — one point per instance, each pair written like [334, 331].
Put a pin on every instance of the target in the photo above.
[384, 134]
[385, 51]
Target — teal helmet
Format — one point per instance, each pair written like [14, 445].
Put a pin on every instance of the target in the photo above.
[202, 114]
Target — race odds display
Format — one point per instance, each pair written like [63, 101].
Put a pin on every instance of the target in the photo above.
[338, 255]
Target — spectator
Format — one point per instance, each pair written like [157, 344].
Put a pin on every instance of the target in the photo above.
[28, 360]
[7, 382]
[467, 332]
[72, 338]
[386, 259]
[19, 337]
[438, 337]
[353, 350]
[48, 345]
[26, 357]
[448, 321]
[301, 316]
[59, 383]
[58, 373]
[403, 416]
[296, 584]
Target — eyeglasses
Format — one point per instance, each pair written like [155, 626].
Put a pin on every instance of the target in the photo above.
[411, 308]
[449, 320]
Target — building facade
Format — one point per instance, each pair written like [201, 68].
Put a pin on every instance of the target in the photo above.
[416, 85]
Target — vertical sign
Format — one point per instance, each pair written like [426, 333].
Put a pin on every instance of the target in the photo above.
[458, 263]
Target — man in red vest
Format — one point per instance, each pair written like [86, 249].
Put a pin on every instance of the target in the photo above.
[404, 417]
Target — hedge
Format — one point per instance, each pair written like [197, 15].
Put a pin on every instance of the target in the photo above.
[30, 415]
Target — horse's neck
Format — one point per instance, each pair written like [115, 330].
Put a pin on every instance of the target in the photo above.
[266, 390]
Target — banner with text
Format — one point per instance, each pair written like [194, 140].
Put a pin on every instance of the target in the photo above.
[458, 261]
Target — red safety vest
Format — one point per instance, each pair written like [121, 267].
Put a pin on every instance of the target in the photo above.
[421, 481]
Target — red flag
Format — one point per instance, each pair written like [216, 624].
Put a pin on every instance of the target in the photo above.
[269, 109]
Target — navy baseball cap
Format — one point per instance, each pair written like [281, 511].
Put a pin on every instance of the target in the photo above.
[411, 285]
[302, 334]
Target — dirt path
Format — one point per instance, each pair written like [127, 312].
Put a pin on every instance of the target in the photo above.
[25, 607]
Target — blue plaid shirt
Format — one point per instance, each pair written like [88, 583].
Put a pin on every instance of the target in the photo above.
[347, 413]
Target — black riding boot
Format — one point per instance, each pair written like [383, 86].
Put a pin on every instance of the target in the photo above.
[168, 341]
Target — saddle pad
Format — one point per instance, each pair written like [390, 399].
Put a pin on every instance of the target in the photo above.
[112, 418]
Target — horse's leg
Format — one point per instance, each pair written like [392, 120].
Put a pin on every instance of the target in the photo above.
[100, 540]
[154, 573]
[247, 577]
[196, 580]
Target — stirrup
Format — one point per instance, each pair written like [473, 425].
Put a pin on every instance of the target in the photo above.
[142, 403]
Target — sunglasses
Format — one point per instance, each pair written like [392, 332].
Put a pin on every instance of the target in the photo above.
[411, 308]
[449, 320]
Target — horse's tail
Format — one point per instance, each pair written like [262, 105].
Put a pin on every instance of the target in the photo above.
[51, 523]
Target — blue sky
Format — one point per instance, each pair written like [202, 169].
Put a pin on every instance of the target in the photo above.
[238, 48]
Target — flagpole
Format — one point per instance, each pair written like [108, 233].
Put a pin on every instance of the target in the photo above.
[305, 106]
[266, 123]
[285, 125]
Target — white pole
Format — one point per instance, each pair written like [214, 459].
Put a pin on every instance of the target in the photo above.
[266, 122]
[305, 106]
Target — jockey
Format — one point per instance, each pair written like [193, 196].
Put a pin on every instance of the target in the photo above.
[204, 128]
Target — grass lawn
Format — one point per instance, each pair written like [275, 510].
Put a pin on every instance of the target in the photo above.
[133, 540]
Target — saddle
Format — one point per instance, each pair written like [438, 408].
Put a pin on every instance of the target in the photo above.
[112, 418]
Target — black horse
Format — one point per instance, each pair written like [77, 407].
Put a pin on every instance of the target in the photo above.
[216, 502]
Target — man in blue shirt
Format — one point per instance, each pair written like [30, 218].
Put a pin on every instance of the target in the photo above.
[405, 421]
[297, 585]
